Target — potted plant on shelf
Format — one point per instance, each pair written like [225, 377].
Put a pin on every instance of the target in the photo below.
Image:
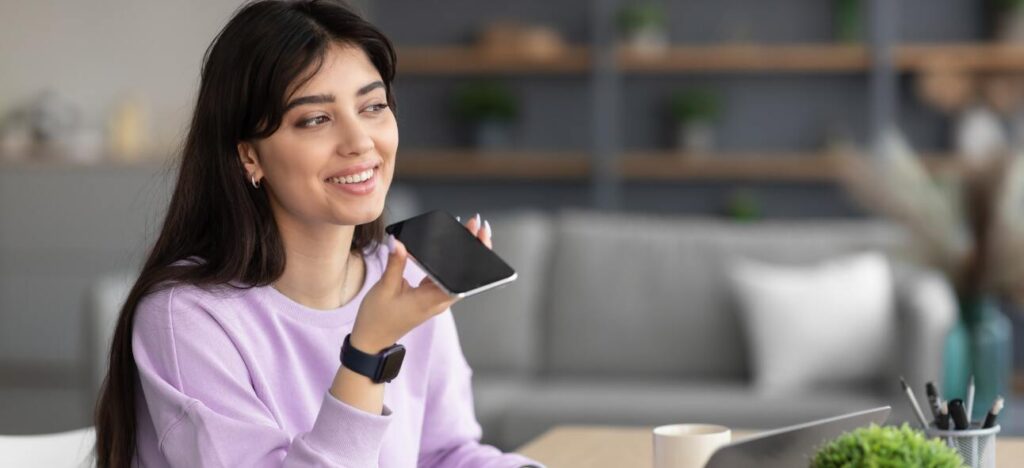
[491, 109]
[969, 224]
[886, 446]
[642, 26]
[694, 113]
[849, 27]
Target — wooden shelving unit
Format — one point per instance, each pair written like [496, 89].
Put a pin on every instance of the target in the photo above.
[470, 60]
[664, 165]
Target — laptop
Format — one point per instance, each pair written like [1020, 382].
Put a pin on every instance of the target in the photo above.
[794, 445]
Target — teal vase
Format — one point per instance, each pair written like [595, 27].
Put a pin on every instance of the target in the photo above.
[979, 344]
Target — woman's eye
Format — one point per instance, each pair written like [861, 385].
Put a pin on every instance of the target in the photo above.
[313, 122]
[378, 107]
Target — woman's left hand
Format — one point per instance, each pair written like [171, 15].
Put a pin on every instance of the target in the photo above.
[481, 229]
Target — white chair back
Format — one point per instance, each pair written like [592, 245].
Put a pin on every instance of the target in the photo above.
[72, 449]
[106, 297]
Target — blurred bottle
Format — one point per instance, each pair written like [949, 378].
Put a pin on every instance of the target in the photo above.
[128, 129]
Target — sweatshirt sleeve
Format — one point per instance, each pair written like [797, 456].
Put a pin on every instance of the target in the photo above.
[206, 411]
[451, 433]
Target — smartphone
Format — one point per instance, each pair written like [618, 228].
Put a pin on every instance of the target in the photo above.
[450, 255]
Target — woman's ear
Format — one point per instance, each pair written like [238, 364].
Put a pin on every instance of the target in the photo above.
[250, 160]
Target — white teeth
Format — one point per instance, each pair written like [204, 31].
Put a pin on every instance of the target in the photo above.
[352, 179]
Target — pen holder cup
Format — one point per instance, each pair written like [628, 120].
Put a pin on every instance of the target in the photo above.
[975, 445]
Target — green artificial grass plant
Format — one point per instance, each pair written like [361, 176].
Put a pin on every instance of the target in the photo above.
[886, 447]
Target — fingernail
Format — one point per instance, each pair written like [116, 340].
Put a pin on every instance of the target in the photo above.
[478, 219]
[487, 228]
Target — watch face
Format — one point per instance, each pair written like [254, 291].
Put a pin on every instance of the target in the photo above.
[392, 363]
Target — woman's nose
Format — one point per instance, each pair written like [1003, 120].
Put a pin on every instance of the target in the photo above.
[354, 140]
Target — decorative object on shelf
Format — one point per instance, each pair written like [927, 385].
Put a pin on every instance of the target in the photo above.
[15, 136]
[510, 39]
[849, 16]
[84, 145]
[642, 26]
[694, 113]
[128, 129]
[1007, 17]
[971, 227]
[886, 446]
[492, 109]
[48, 128]
[51, 117]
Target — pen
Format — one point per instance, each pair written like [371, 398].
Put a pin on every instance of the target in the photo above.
[942, 420]
[970, 399]
[933, 398]
[990, 419]
[913, 403]
[956, 411]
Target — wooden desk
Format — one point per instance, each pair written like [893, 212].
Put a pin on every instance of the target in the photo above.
[615, 447]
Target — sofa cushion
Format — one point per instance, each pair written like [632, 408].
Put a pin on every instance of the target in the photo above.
[500, 329]
[635, 295]
[829, 323]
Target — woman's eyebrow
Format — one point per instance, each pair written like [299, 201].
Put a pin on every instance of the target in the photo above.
[322, 98]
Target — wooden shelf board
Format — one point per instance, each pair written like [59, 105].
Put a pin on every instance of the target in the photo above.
[965, 56]
[448, 60]
[636, 166]
[748, 58]
[760, 167]
[741, 57]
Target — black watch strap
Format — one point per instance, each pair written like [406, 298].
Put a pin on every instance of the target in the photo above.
[380, 368]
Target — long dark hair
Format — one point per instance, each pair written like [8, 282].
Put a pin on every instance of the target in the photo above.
[266, 50]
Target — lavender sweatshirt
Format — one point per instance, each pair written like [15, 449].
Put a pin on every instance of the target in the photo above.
[240, 378]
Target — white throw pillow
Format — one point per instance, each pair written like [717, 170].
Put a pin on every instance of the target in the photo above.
[830, 323]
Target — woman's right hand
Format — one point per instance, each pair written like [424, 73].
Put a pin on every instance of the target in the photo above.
[393, 307]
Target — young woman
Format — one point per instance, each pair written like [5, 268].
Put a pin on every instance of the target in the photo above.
[254, 332]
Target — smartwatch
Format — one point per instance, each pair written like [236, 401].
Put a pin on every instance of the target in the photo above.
[380, 368]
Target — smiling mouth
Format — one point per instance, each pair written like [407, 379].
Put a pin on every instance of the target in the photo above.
[354, 178]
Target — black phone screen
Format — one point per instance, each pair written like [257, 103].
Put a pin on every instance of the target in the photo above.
[447, 251]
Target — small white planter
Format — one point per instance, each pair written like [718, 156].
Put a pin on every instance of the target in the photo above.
[695, 137]
[648, 41]
[493, 135]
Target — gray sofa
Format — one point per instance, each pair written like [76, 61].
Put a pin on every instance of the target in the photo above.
[628, 319]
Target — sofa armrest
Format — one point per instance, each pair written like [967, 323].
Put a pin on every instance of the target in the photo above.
[926, 309]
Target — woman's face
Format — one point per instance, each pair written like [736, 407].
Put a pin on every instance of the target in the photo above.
[333, 157]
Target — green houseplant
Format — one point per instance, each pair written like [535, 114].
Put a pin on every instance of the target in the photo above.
[491, 108]
[642, 25]
[694, 113]
[886, 447]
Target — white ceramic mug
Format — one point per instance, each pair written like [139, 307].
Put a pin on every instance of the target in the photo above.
[687, 445]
